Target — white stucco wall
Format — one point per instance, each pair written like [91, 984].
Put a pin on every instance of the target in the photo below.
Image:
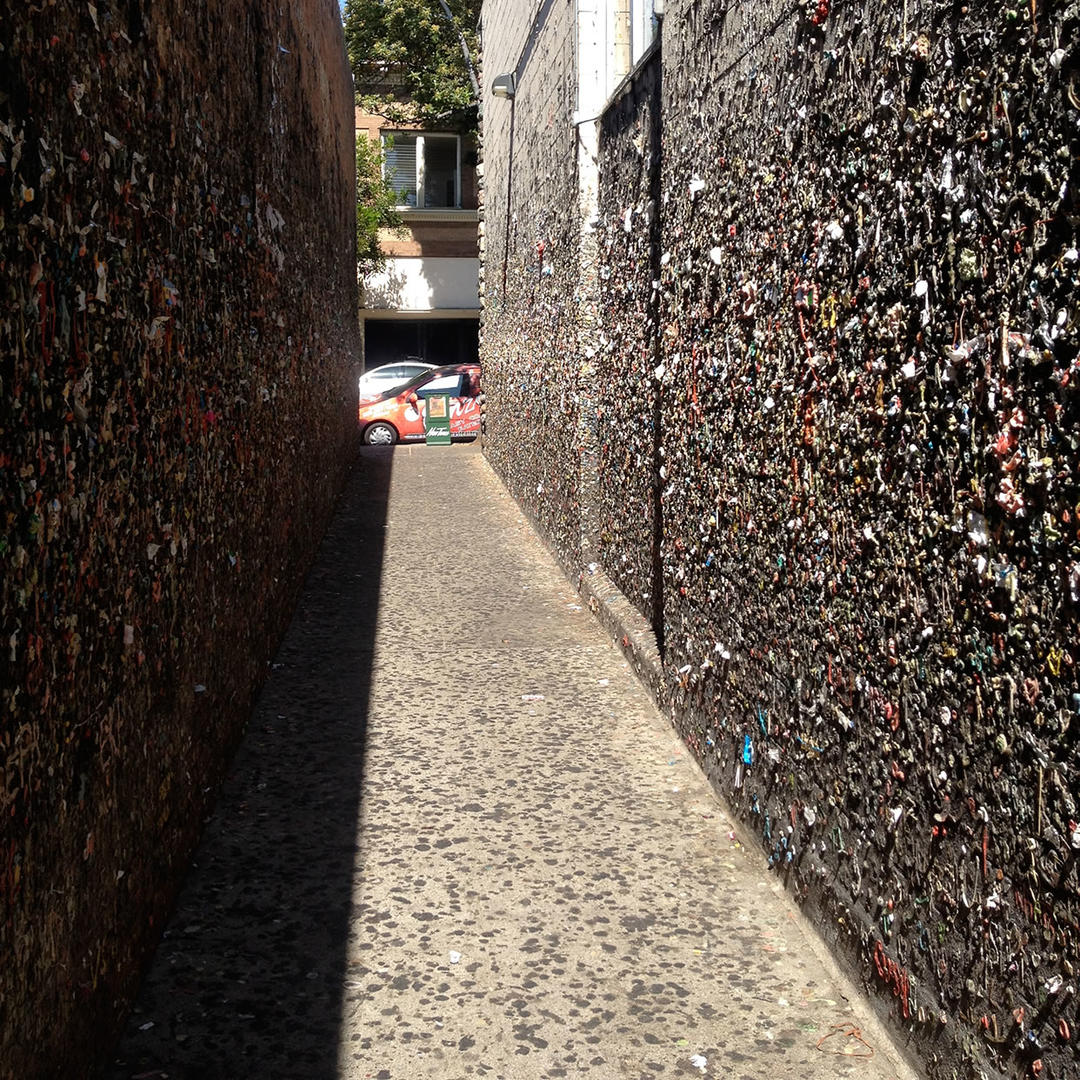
[425, 284]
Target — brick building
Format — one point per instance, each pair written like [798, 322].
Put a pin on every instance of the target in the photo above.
[425, 301]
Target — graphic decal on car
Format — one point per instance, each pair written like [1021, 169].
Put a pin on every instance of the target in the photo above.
[464, 416]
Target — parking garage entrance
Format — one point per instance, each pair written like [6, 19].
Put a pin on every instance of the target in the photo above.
[437, 341]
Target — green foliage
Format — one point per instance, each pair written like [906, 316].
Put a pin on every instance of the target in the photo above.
[408, 62]
[375, 205]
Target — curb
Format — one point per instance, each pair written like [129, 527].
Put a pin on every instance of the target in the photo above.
[627, 626]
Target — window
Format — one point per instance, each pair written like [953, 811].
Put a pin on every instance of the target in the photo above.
[642, 28]
[445, 384]
[424, 170]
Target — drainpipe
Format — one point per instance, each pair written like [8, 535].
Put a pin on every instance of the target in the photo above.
[509, 198]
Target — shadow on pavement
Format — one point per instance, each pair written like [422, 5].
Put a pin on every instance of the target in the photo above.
[248, 979]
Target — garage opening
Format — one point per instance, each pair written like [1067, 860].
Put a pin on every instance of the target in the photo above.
[436, 341]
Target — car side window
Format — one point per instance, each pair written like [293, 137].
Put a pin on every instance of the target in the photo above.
[447, 384]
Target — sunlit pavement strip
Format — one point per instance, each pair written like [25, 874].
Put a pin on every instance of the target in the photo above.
[541, 883]
[545, 885]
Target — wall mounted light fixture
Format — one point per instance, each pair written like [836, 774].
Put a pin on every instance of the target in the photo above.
[505, 86]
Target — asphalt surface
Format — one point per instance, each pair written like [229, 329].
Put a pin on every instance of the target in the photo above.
[459, 841]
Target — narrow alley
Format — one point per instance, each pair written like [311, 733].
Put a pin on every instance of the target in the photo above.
[777, 311]
[459, 841]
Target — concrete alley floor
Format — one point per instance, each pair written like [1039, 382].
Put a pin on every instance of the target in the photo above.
[458, 841]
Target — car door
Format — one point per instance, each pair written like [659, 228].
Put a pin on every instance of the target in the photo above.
[411, 425]
[465, 407]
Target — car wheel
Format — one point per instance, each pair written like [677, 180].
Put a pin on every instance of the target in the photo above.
[380, 435]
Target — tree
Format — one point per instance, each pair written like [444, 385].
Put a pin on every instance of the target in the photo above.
[375, 205]
[411, 62]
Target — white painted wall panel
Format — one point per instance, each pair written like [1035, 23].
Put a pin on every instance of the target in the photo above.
[425, 284]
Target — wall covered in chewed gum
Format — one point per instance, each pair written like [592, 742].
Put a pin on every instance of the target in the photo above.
[177, 350]
[837, 387]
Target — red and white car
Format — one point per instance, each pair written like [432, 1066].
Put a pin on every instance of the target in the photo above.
[398, 415]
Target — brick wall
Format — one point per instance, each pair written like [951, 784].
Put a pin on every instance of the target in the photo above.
[862, 418]
[177, 366]
[435, 239]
